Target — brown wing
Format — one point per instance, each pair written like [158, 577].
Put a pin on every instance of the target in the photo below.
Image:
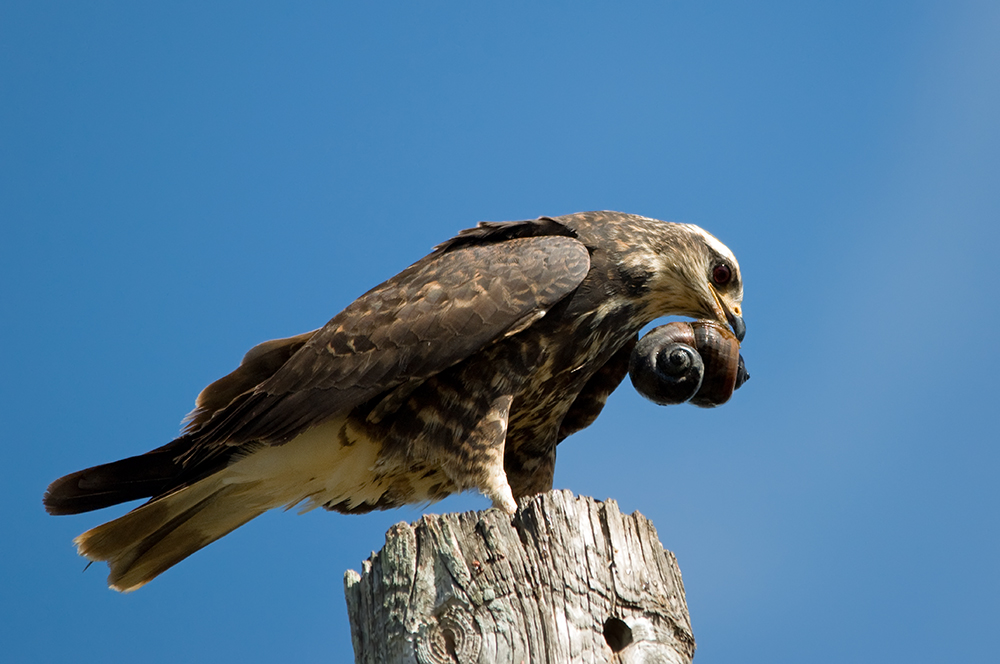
[260, 363]
[432, 315]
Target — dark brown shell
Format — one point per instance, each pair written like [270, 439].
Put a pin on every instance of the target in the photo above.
[699, 362]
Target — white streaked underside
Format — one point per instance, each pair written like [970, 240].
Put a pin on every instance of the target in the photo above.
[332, 463]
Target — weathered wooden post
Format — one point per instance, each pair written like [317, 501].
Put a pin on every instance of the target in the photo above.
[571, 579]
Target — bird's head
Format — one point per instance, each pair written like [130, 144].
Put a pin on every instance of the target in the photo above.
[688, 272]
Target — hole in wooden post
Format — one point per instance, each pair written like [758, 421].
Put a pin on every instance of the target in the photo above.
[617, 634]
[449, 643]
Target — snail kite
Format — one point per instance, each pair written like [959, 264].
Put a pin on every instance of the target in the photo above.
[464, 371]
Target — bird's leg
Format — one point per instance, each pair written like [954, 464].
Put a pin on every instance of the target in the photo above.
[479, 462]
[498, 490]
[492, 434]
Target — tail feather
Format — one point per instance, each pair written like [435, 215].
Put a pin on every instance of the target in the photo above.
[195, 503]
[94, 488]
[152, 538]
[148, 475]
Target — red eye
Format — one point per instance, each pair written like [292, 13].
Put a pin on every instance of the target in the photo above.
[721, 274]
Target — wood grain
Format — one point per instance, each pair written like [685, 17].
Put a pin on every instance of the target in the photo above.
[571, 579]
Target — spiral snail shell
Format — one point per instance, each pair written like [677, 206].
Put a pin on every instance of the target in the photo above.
[699, 362]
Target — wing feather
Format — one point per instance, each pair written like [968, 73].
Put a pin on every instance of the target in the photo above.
[259, 364]
[427, 318]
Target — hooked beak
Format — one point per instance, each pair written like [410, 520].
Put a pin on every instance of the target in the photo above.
[732, 315]
[736, 322]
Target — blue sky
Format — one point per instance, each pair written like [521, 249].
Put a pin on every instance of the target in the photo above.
[181, 181]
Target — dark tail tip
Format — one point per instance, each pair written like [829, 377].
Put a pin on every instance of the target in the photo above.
[87, 490]
[91, 489]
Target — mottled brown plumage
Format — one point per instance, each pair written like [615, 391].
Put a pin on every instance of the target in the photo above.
[463, 371]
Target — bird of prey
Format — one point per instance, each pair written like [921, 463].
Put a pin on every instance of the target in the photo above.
[463, 371]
